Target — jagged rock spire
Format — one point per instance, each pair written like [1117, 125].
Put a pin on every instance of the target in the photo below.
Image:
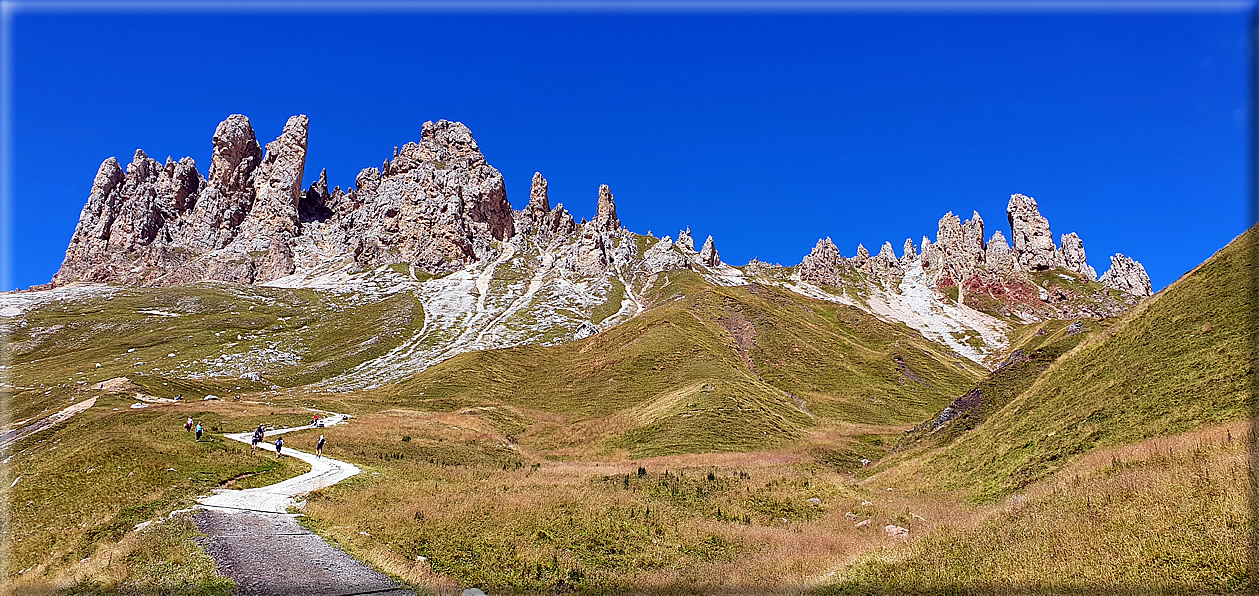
[685, 241]
[1071, 255]
[1127, 275]
[539, 204]
[605, 218]
[998, 256]
[708, 255]
[1033, 242]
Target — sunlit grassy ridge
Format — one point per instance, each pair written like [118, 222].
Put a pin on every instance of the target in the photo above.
[84, 484]
[1179, 361]
[215, 333]
[1168, 515]
[710, 369]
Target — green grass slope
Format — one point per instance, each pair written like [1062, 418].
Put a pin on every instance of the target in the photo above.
[1178, 362]
[709, 369]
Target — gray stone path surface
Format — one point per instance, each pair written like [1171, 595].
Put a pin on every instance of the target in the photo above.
[265, 551]
[271, 554]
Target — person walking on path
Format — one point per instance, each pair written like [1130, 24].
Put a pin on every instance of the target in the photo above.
[188, 424]
[279, 444]
[198, 431]
[319, 447]
[257, 438]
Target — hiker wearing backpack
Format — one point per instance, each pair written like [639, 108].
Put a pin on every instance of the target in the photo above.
[188, 424]
[319, 447]
[257, 438]
[279, 444]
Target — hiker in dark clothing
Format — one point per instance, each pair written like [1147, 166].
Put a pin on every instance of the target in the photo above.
[257, 437]
[198, 431]
[279, 444]
[319, 447]
[188, 424]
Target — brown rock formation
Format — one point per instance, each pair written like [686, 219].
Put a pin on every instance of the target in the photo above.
[605, 218]
[1071, 255]
[708, 255]
[1127, 275]
[1033, 242]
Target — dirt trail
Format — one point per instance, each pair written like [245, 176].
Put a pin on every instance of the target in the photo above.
[42, 423]
[265, 551]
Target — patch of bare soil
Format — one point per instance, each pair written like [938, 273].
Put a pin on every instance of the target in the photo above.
[271, 554]
[744, 334]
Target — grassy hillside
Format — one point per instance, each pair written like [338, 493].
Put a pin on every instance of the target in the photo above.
[76, 489]
[1165, 515]
[1180, 361]
[199, 340]
[708, 369]
[1123, 462]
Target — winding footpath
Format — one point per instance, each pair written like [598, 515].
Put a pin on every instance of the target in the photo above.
[262, 548]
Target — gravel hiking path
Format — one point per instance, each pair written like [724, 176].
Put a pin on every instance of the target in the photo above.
[265, 551]
[43, 423]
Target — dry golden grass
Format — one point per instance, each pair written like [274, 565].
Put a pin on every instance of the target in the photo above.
[1168, 514]
[482, 511]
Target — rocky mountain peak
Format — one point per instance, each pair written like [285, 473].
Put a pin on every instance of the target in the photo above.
[708, 255]
[1033, 242]
[684, 241]
[1071, 255]
[605, 218]
[1127, 275]
[998, 255]
[539, 204]
[236, 154]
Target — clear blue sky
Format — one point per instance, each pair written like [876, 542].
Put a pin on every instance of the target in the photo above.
[766, 131]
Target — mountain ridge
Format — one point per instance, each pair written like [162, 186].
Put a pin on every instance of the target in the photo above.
[437, 213]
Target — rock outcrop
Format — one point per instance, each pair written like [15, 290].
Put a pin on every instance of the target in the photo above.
[1127, 275]
[708, 255]
[661, 256]
[605, 217]
[998, 256]
[1071, 255]
[685, 242]
[156, 224]
[539, 205]
[436, 204]
[991, 275]
[824, 265]
[1029, 231]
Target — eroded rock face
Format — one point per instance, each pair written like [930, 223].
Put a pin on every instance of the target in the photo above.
[436, 204]
[661, 256]
[998, 255]
[708, 255]
[1033, 242]
[1127, 275]
[824, 264]
[685, 242]
[539, 205]
[605, 217]
[988, 275]
[1072, 256]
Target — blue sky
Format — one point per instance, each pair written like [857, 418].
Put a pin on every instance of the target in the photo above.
[766, 131]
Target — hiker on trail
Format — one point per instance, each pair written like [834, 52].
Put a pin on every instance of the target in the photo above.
[188, 424]
[198, 431]
[315, 421]
[319, 447]
[279, 444]
[257, 437]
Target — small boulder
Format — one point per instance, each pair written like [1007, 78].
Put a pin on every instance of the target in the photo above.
[896, 532]
[863, 523]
